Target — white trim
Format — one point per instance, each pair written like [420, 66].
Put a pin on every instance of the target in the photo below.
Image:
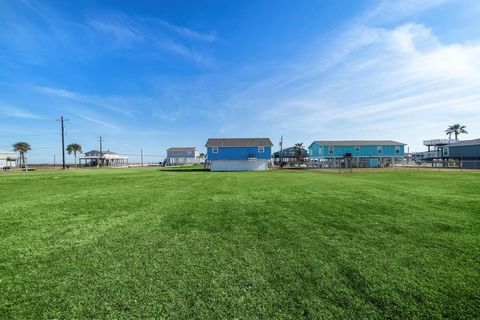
[214, 149]
[261, 149]
[379, 150]
[447, 153]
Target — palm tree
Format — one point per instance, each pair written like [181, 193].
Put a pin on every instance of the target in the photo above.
[74, 148]
[455, 129]
[299, 151]
[22, 147]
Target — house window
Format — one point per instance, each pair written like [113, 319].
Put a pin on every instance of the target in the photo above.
[357, 149]
[446, 151]
[397, 149]
[320, 150]
[261, 149]
[379, 150]
[214, 149]
[331, 150]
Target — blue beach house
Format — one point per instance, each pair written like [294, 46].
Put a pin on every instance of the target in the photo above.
[238, 154]
[356, 153]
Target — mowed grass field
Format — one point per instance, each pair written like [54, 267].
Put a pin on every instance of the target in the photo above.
[188, 244]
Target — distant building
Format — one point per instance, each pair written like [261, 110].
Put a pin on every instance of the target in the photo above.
[466, 151]
[434, 150]
[182, 156]
[240, 154]
[8, 159]
[288, 156]
[356, 153]
[106, 158]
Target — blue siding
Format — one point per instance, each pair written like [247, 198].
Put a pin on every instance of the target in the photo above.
[472, 151]
[318, 151]
[238, 153]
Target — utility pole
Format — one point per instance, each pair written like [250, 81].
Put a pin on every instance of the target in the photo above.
[100, 160]
[63, 139]
[281, 151]
[54, 163]
[141, 157]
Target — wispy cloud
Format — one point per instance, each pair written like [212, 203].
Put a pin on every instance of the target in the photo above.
[186, 32]
[154, 34]
[95, 120]
[168, 116]
[374, 82]
[14, 112]
[111, 103]
[33, 33]
[122, 29]
[388, 11]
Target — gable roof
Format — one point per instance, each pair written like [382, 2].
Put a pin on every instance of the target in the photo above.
[238, 142]
[346, 143]
[464, 143]
[181, 149]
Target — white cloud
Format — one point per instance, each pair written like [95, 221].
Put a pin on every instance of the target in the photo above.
[373, 83]
[123, 30]
[153, 34]
[102, 123]
[14, 112]
[186, 32]
[117, 104]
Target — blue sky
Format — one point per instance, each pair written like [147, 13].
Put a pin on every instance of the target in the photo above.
[154, 74]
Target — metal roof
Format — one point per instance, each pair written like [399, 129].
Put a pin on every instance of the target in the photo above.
[465, 143]
[346, 143]
[238, 142]
[181, 149]
[98, 152]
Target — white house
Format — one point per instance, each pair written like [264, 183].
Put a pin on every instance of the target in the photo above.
[182, 156]
[7, 159]
[105, 158]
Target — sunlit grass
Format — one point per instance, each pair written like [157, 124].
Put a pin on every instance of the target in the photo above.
[150, 243]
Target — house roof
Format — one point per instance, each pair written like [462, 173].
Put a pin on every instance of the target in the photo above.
[238, 142]
[8, 153]
[181, 149]
[345, 143]
[98, 152]
[465, 143]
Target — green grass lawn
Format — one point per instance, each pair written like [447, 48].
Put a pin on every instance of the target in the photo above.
[150, 243]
